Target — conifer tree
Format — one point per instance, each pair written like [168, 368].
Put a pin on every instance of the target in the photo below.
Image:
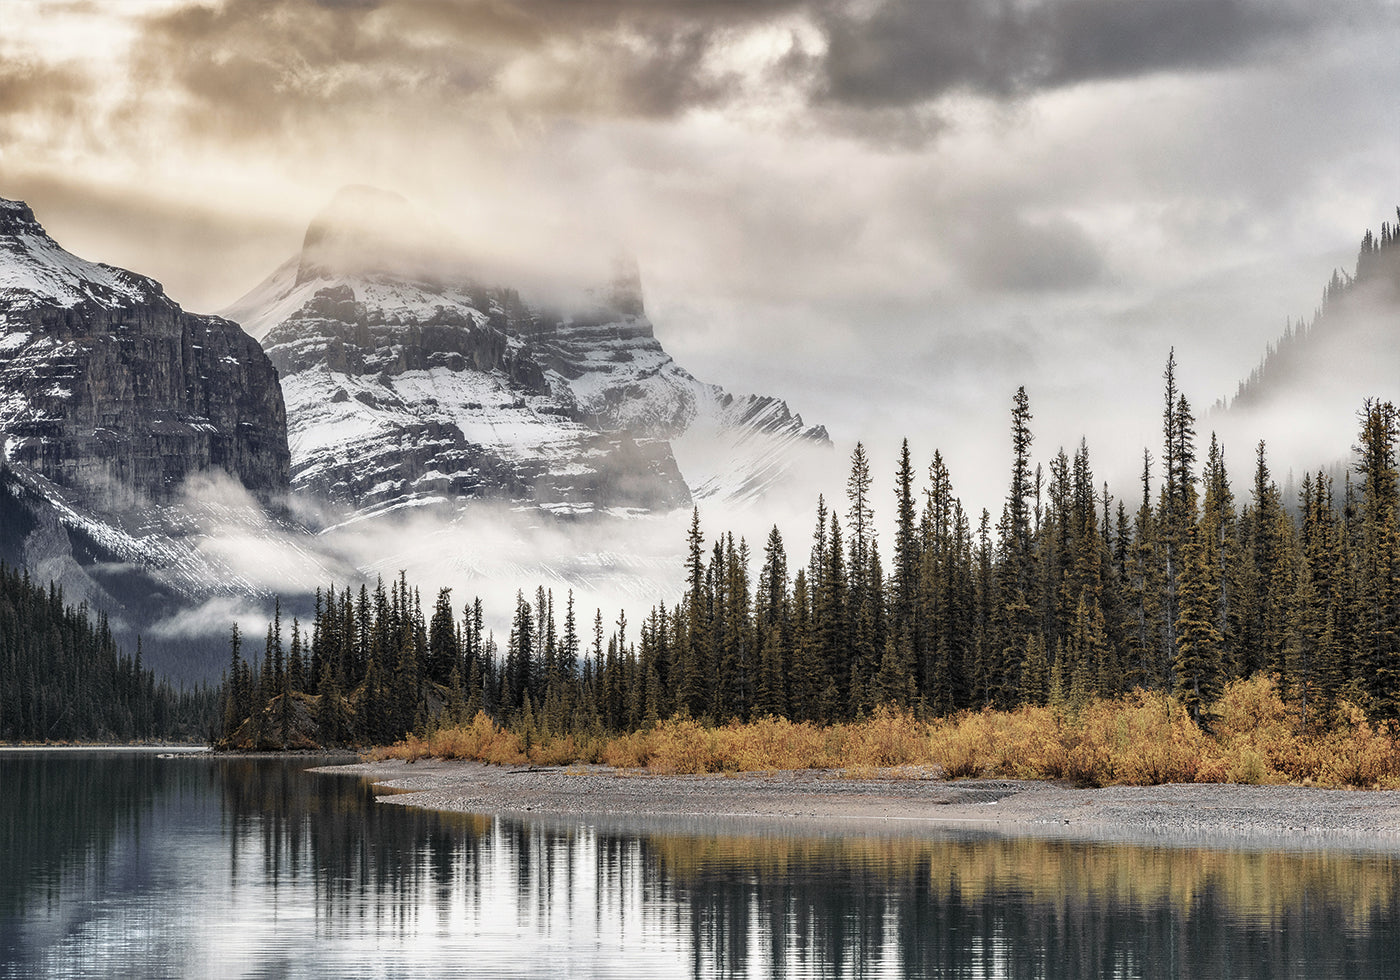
[905, 571]
[1196, 669]
[443, 653]
[807, 679]
[693, 692]
[237, 702]
[1380, 556]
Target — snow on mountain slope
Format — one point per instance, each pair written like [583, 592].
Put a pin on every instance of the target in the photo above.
[408, 384]
[110, 389]
[37, 272]
[114, 404]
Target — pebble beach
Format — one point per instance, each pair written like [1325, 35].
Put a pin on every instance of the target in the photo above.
[881, 801]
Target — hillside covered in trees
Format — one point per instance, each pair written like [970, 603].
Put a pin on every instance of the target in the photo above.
[1354, 325]
[1069, 594]
[63, 678]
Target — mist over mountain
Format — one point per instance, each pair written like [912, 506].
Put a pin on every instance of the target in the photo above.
[158, 468]
[115, 404]
[1305, 393]
[1349, 343]
[410, 382]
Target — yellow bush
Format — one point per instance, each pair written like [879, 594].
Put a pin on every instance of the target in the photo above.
[770, 744]
[960, 749]
[627, 751]
[1139, 738]
[480, 739]
[1359, 753]
[682, 745]
[1257, 735]
[890, 738]
[1028, 743]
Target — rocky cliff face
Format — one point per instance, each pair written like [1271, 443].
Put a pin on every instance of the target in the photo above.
[110, 390]
[408, 383]
[132, 433]
[390, 409]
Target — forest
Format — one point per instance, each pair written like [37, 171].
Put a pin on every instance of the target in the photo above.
[1069, 597]
[63, 678]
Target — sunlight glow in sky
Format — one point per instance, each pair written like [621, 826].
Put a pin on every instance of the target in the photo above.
[888, 212]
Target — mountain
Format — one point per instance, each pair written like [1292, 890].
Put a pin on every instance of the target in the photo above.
[114, 404]
[109, 390]
[156, 467]
[410, 383]
[1349, 350]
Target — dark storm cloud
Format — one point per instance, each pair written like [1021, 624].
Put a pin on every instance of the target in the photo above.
[267, 67]
[908, 51]
[262, 66]
[258, 66]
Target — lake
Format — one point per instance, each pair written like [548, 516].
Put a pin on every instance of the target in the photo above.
[125, 864]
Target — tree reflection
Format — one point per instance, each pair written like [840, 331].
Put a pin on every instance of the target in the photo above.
[789, 904]
[709, 900]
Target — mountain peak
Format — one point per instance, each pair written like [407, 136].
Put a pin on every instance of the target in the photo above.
[35, 270]
[625, 286]
[16, 218]
[368, 231]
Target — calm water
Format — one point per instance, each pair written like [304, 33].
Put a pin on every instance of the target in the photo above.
[124, 864]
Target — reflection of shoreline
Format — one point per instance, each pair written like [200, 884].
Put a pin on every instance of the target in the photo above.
[270, 871]
[1195, 815]
[183, 748]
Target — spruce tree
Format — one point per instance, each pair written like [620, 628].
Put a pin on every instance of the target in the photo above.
[1380, 557]
[1196, 668]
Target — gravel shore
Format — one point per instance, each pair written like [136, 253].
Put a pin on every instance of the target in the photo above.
[1289, 816]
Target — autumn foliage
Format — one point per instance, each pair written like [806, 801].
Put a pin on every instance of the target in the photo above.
[1140, 738]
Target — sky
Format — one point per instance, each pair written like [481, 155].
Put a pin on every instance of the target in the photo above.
[889, 212]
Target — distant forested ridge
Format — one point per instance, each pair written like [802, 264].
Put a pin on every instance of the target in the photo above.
[1355, 325]
[1069, 594]
[62, 677]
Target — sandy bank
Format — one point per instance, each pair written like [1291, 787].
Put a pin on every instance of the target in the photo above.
[1281, 815]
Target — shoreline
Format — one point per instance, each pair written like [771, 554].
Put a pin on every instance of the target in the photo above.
[1179, 813]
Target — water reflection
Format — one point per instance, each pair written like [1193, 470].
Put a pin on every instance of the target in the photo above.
[128, 865]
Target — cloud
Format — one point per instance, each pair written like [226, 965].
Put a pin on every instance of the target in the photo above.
[1019, 254]
[212, 618]
[151, 231]
[265, 68]
[827, 198]
[27, 86]
[909, 51]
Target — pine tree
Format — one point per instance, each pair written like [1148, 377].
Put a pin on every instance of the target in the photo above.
[237, 703]
[905, 570]
[1380, 556]
[1223, 555]
[1196, 669]
[444, 655]
[693, 692]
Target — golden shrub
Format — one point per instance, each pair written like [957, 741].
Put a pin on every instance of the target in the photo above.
[481, 739]
[889, 738]
[629, 751]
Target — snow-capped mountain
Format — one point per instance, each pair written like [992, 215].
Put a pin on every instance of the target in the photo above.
[408, 383]
[109, 390]
[129, 428]
[155, 467]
